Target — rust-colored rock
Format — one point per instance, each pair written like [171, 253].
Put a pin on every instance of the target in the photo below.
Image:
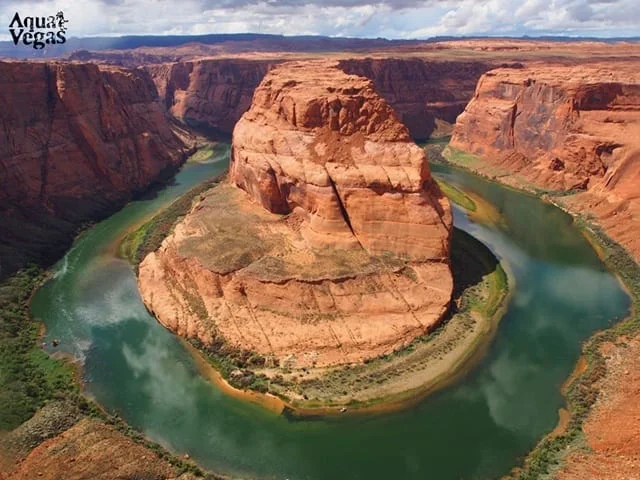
[563, 128]
[326, 143]
[335, 247]
[92, 450]
[78, 141]
[612, 428]
[212, 93]
[427, 95]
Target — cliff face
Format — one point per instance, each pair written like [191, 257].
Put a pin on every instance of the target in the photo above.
[563, 128]
[340, 235]
[427, 95]
[78, 141]
[214, 93]
[327, 143]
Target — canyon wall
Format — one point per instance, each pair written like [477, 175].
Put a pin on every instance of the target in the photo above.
[427, 95]
[213, 93]
[334, 248]
[78, 141]
[563, 129]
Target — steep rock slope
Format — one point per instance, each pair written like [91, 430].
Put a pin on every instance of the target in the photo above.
[335, 247]
[427, 95]
[77, 142]
[214, 93]
[563, 128]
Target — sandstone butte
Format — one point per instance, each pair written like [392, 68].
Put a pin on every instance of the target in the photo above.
[560, 128]
[328, 245]
[77, 142]
[426, 95]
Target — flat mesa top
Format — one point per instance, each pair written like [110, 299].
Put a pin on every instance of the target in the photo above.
[229, 233]
[315, 78]
[579, 75]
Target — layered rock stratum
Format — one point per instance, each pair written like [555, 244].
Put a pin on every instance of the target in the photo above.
[427, 95]
[334, 248]
[213, 93]
[566, 129]
[78, 141]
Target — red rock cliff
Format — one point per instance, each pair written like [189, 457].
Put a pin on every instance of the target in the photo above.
[334, 249]
[563, 128]
[427, 95]
[214, 93]
[77, 141]
[327, 143]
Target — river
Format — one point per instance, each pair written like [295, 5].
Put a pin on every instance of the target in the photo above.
[480, 427]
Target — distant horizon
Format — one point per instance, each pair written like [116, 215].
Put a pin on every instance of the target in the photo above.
[367, 19]
[5, 38]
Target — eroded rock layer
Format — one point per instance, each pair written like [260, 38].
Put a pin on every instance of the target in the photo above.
[335, 247]
[427, 95]
[77, 141]
[563, 128]
[212, 93]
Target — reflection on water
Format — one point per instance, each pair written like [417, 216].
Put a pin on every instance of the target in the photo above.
[478, 428]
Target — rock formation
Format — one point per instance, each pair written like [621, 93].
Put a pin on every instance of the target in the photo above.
[335, 247]
[427, 95]
[563, 128]
[77, 142]
[213, 93]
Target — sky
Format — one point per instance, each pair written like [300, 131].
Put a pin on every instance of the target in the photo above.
[401, 19]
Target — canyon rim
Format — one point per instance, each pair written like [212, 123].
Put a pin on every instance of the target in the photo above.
[323, 267]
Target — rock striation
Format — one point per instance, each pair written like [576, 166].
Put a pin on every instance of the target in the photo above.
[572, 129]
[334, 248]
[212, 93]
[427, 95]
[327, 144]
[78, 141]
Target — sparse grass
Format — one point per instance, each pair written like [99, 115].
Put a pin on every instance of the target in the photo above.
[459, 157]
[29, 378]
[148, 238]
[203, 154]
[456, 195]
[480, 285]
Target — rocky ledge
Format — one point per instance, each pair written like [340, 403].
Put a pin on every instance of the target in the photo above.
[77, 142]
[570, 130]
[335, 247]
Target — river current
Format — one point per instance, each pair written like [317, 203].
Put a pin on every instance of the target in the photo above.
[480, 427]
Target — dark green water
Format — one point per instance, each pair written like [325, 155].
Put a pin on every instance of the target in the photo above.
[478, 428]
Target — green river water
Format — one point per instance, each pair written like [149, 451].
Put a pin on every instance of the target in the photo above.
[480, 427]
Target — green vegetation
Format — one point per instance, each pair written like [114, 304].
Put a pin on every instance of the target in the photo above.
[456, 195]
[203, 154]
[583, 391]
[235, 365]
[148, 238]
[209, 151]
[29, 377]
[459, 157]
[479, 280]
